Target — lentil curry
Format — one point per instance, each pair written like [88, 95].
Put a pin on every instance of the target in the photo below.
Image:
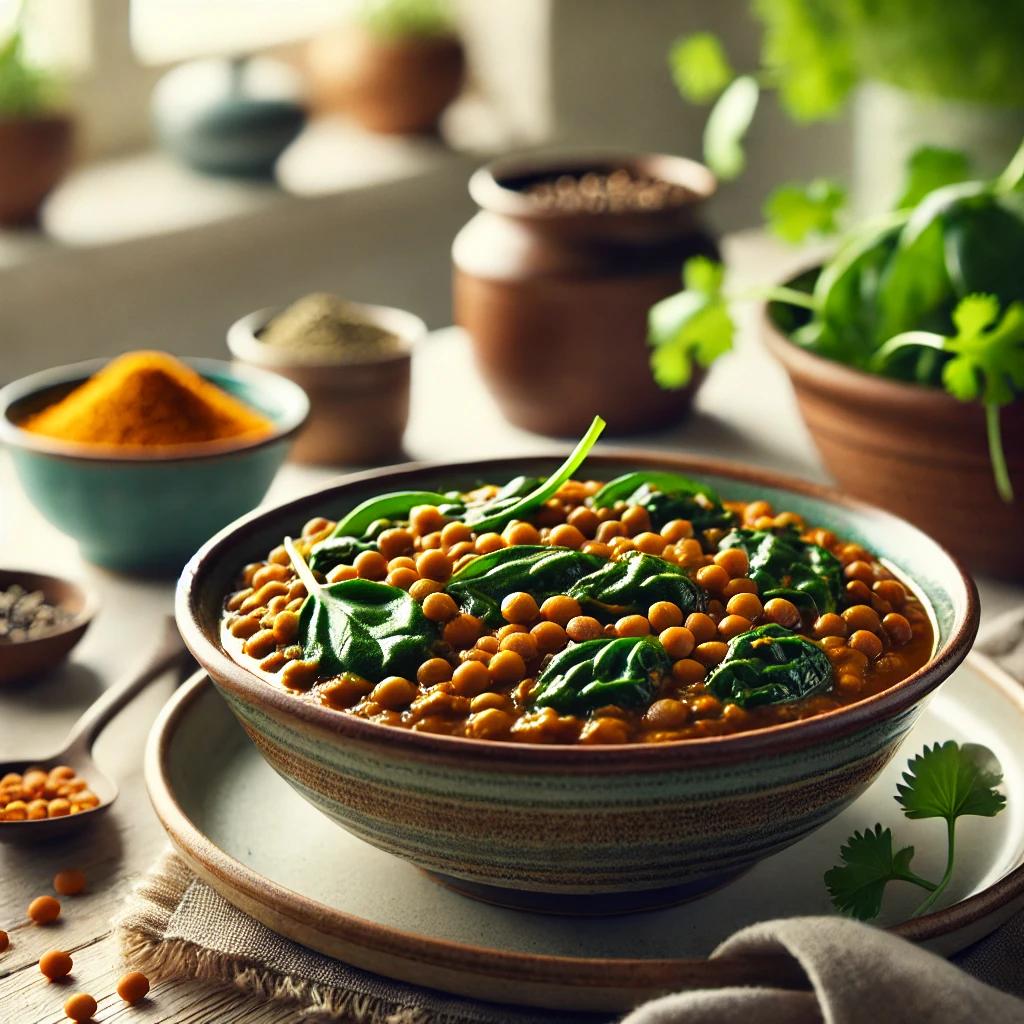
[640, 610]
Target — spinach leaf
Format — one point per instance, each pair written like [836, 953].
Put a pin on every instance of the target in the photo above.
[667, 496]
[631, 584]
[538, 569]
[333, 551]
[533, 499]
[361, 627]
[517, 499]
[770, 665]
[624, 671]
[783, 565]
[394, 508]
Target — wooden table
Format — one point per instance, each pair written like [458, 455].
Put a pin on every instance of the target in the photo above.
[745, 412]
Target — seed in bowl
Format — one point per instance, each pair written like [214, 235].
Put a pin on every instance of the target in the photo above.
[699, 616]
[27, 615]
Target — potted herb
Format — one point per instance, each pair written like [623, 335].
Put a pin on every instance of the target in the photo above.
[906, 350]
[35, 139]
[916, 71]
[394, 69]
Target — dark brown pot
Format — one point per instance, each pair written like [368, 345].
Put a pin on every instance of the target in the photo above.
[387, 85]
[916, 451]
[35, 153]
[556, 303]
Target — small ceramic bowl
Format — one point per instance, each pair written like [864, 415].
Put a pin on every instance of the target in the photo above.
[147, 513]
[358, 410]
[24, 658]
[587, 829]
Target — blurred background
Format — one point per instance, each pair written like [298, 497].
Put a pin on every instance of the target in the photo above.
[159, 209]
[139, 244]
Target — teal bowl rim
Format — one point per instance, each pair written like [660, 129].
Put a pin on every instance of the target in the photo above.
[249, 688]
[286, 424]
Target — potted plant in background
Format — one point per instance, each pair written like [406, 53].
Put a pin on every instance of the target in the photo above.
[917, 71]
[905, 348]
[35, 137]
[395, 69]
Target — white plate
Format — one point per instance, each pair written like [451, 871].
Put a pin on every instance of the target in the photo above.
[246, 832]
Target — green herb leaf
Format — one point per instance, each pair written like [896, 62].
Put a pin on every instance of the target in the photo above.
[540, 570]
[515, 500]
[394, 507]
[692, 325]
[930, 168]
[948, 781]
[631, 584]
[795, 212]
[359, 627]
[770, 665]
[522, 507]
[987, 363]
[727, 125]
[625, 671]
[869, 864]
[699, 66]
[24, 90]
[338, 551]
[622, 488]
[784, 565]
[667, 496]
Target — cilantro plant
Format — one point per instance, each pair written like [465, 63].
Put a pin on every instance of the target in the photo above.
[24, 90]
[814, 52]
[946, 781]
[405, 18]
[929, 293]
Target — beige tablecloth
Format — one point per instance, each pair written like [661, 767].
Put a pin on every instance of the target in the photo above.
[176, 926]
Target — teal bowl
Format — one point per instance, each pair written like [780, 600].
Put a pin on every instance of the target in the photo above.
[148, 513]
[576, 828]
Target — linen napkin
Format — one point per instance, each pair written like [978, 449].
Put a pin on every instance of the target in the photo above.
[175, 926]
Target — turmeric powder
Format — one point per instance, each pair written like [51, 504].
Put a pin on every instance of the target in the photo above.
[148, 399]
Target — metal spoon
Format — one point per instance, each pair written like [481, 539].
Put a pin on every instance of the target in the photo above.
[77, 749]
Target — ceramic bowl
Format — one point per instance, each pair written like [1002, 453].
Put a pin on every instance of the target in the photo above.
[26, 658]
[359, 410]
[148, 513]
[583, 829]
[914, 450]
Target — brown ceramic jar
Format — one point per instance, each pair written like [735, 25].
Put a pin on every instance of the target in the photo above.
[388, 85]
[35, 153]
[555, 302]
[916, 451]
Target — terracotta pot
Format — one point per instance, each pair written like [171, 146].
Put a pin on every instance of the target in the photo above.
[556, 303]
[916, 451]
[399, 85]
[35, 153]
[358, 411]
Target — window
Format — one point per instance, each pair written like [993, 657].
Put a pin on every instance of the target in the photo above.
[163, 31]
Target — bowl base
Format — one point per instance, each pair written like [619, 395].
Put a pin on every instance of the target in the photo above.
[585, 904]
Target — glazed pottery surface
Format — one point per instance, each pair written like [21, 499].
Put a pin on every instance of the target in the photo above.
[556, 303]
[28, 658]
[916, 451]
[214, 795]
[35, 153]
[229, 116]
[639, 824]
[148, 513]
[389, 85]
[358, 411]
